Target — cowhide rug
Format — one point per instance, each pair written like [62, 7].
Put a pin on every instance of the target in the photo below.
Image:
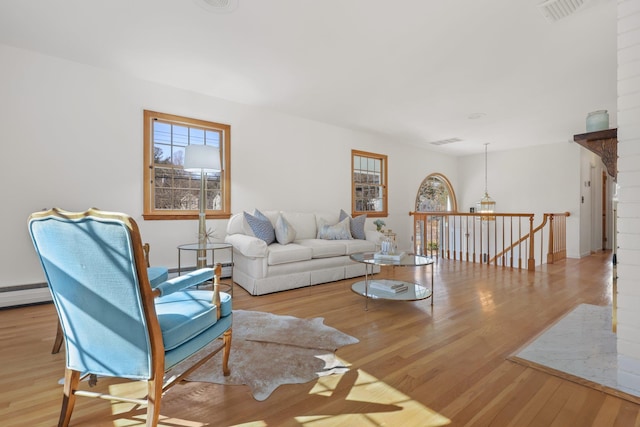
[268, 350]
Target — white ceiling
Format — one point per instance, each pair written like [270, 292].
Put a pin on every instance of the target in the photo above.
[415, 70]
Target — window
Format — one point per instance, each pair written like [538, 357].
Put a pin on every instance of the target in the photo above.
[436, 195]
[170, 192]
[369, 185]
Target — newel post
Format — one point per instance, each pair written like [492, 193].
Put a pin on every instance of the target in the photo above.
[551, 251]
[531, 261]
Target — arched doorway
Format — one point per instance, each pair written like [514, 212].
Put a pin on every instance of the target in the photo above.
[435, 194]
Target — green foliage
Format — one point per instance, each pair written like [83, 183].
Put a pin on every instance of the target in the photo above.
[379, 224]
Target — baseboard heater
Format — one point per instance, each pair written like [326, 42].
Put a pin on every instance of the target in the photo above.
[37, 293]
[14, 296]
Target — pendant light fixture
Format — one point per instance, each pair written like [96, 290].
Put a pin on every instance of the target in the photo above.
[486, 205]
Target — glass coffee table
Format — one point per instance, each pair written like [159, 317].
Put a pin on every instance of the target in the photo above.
[391, 289]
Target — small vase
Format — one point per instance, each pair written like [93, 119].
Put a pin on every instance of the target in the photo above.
[597, 120]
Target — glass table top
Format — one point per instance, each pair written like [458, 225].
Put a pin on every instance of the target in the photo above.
[208, 246]
[413, 291]
[406, 260]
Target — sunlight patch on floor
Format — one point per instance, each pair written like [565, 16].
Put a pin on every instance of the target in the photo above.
[138, 413]
[379, 403]
[353, 398]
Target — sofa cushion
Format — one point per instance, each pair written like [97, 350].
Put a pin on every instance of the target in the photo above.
[193, 306]
[339, 231]
[356, 224]
[358, 245]
[324, 248]
[285, 233]
[283, 254]
[261, 226]
[304, 223]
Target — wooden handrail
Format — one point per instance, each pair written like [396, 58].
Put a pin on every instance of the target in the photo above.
[488, 239]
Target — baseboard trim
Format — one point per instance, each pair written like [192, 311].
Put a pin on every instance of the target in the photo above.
[22, 287]
[21, 295]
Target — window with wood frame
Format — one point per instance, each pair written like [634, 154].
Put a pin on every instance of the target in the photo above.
[368, 184]
[170, 192]
[436, 194]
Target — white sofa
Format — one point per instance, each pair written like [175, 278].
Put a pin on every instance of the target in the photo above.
[263, 268]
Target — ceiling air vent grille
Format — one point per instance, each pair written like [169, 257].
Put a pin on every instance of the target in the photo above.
[445, 141]
[554, 10]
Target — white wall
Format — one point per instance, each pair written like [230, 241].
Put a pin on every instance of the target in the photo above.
[409, 173]
[629, 193]
[72, 138]
[544, 178]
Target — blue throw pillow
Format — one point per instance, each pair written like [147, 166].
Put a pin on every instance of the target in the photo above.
[261, 226]
[356, 224]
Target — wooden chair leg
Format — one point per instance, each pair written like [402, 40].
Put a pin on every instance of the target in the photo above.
[227, 350]
[154, 390]
[57, 344]
[71, 382]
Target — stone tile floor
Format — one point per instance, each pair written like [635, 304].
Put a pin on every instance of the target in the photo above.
[581, 344]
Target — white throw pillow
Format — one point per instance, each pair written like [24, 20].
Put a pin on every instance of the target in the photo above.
[339, 231]
[285, 233]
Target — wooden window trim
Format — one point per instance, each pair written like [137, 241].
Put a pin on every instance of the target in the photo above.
[384, 172]
[149, 213]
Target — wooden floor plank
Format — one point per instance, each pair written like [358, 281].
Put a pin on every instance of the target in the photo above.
[415, 365]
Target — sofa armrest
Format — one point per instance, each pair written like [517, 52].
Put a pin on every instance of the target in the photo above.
[248, 246]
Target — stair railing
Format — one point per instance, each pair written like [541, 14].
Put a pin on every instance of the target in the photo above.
[557, 236]
[501, 239]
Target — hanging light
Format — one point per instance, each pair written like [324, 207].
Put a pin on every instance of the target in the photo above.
[486, 205]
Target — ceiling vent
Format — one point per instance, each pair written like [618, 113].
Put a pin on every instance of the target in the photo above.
[445, 141]
[554, 10]
[218, 6]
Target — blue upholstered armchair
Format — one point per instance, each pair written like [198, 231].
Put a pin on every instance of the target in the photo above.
[113, 321]
[156, 275]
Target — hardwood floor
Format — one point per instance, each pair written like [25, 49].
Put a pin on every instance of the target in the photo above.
[415, 365]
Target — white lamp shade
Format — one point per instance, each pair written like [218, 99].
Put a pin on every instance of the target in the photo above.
[201, 158]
